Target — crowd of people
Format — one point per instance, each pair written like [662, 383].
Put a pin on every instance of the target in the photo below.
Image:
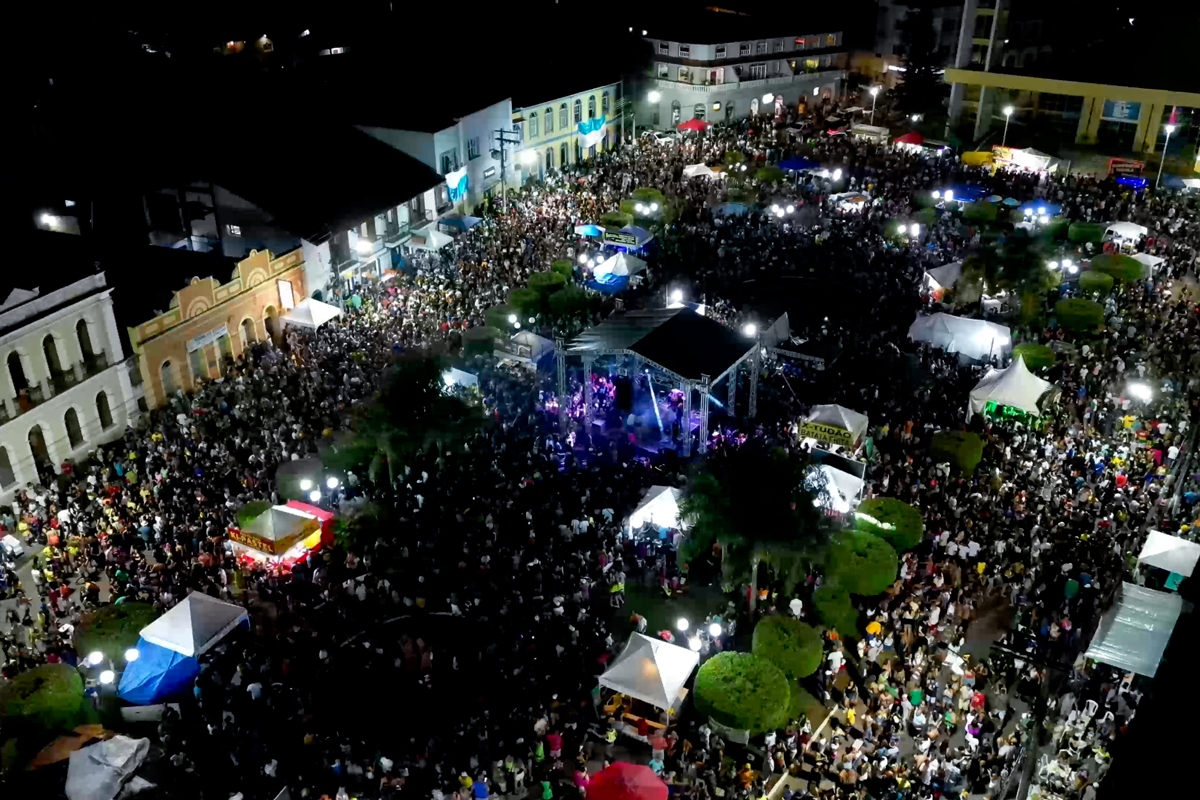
[457, 653]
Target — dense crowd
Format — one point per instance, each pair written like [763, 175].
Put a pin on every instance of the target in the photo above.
[472, 636]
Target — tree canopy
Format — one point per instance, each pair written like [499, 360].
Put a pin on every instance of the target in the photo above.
[743, 691]
[921, 89]
[862, 562]
[112, 629]
[1035, 356]
[962, 449]
[1077, 314]
[789, 644]
[835, 610]
[892, 520]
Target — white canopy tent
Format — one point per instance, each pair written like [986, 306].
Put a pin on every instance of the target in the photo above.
[1134, 633]
[1150, 261]
[620, 264]
[429, 239]
[651, 670]
[195, 625]
[1171, 553]
[840, 417]
[1126, 230]
[699, 170]
[1014, 386]
[660, 507]
[311, 314]
[974, 338]
[837, 491]
[945, 276]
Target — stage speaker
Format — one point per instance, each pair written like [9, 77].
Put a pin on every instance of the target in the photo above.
[624, 387]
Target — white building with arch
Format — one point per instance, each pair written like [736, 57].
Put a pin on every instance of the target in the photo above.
[65, 385]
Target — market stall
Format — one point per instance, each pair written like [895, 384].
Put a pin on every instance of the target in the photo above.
[699, 171]
[836, 491]
[1125, 234]
[282, 536]
[651, 671]
[834, 424]
[1014, 388]
[1171, 553]
[310, 313]
[660, 507]
[974, 338]
[1151, 262]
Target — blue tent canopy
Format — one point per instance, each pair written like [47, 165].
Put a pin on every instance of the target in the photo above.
[460, 221]
[589, 230]
[796, 164]
[609, 284]
[733, 208]
[157, 674]
[642, 234]
[965, 192]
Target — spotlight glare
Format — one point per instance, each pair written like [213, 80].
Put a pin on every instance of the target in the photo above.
[681, 623]
[107, 677]
[95, 657]
[132, 654]
[305, 485]
[332, 482]
[749, 329]
[694, 644]
[677, 296]
[714, 630]
[314, 496]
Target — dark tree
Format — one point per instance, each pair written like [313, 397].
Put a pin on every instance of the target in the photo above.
[921, 90]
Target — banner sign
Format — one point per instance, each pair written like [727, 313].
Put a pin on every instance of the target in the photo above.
[1125, 168]
[592, 132]
[1121, 111]
[266, 545]
[457, 184]
[623, 239]
[206, 338]
[826, 433]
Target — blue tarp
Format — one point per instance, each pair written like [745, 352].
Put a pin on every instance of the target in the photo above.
[463, 223]
[966, 192]
[157, 674]
[733, 208]
[796, 164]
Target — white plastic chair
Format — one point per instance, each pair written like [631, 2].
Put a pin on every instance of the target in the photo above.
[1090, 709]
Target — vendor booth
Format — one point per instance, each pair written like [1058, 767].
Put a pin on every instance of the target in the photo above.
[699, 171]
[429, 239]
[849, 202]
[311, 314]
[837, 492]
[526, 347]
[872, 133]
[1150, 262]
[620, 265]
[282, 536]
[1125, 232]
[660, 507]
[939, 279]
[169, 647]
[1134, 632]
[651, 671]
[1012, 388]
[974, 338]
[834, 424]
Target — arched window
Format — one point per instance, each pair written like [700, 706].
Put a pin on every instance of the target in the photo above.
[604, 103]
[6, 471]
[248, 335]
[37, 446]
[591, 106]
[50, 348]
[170, 379]
[549, 158]
[533, 124]
[754, 107]
[729, 110]
[563, 159]
[85, 339]
[17, 373]
[549, 120]
[578, 111]
[675, 113]
[74, 432]
[103, 411]
[698, 111]
[562, 117]
[271, 322]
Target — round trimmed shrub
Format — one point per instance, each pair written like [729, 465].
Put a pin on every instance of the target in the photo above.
[862, 562]
[1120, 267]
[963, 450]
[527, 302]
[980, 212]
[789, 644]
[563, 267]
[743, 691]
[1077, 314]
[1096, 282]
[571, 300]
[615, 220]
[1034, 355]
[40, 703]
[546, 283]
[769, 175]
[112, 629]
[892, 520]
[835, 610]
[1080, 232]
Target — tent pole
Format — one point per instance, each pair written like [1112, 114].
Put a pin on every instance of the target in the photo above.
[560, 362]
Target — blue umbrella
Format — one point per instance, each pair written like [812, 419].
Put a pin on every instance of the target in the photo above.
[733, 208]
[796, 164]
[995, 198]
[1009, 201]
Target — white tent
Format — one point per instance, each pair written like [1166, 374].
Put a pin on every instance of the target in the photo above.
[429, 239]
[457, 377]
[98, 771]
[651, 670]
[840, 417]
[620, 264]
[945, 276]
[699, 170]
[838, 491]
[1135, 631]
[311, 314]
[195, 625]
[526, 347]
[1126, 230]
[1170, 553]
[975, 338]
[1150, 261]
[660, 507]
[1015, 386]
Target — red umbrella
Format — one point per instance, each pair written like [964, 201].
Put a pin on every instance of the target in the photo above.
[912, 137]
[693, 125]
[621, 781]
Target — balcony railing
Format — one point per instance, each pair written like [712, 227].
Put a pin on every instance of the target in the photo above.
[95, 364]
[729, 87]
[396, 232]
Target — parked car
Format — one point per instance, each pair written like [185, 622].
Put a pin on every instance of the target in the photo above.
[662, 137]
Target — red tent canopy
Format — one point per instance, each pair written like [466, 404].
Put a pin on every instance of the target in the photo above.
[912, 137]
[693, 125]
[622, 781]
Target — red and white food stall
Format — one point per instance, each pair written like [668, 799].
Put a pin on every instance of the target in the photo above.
[282, 536]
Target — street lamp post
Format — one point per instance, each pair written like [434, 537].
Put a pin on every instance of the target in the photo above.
[1162, 158]
[1008, 112]
[874, 94]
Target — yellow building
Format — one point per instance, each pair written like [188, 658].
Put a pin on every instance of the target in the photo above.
[209, 320]
[1124, 118]
[551, 134]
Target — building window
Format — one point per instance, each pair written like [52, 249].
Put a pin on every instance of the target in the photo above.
[549, 120]
[664, 71]
[591, 106]
[533, 125]
[831, 40]
[578, 111]
[7, 476]
[684, 75]
[744, 49]
[762, 47]
[720, 51]
[74, 432]
[604, 101]
[779, 45]
[562, 117]
[758, 71]
[664, 48]
[811, 65]
[441, 196]
[655, 121]
[449, 160]
[698, 111]
[549, 158]
[104, 411]
[563, 154]
[234, 230]
[685, 51]
[472, 148]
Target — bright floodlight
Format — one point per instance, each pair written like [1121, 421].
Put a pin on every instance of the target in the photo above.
[1141, 391]
[1067, 263]
[517, 325]
[1053, 265]
[48, 219]
[654, 97]
[132, 654]
[694, 644]
[314, 496]
[1169, 129]
[677, 296]
[107, 677]
[714, 630]
[512, 318]
[305, 484]
[790, 209]
[837, 174]
[582, 260]
[936, 194]
[332, 482]
[949, 194]
[775, 208]
[916, 229]
[639, 208]
[1073, 269]
[654, 206]
[1041, 209]
[681, 623]
[532, 320]
[95, 657]
[1008, 110]
[749, 329]
[874, 91]
[365, 246]
[1043, 219]
[916, 117]
[768, 97]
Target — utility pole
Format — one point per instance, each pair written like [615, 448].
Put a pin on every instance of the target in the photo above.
[502, 137]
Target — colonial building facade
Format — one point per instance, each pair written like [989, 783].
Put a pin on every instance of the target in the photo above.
[566, 130]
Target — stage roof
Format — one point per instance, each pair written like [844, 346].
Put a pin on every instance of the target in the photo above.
[676, 339]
